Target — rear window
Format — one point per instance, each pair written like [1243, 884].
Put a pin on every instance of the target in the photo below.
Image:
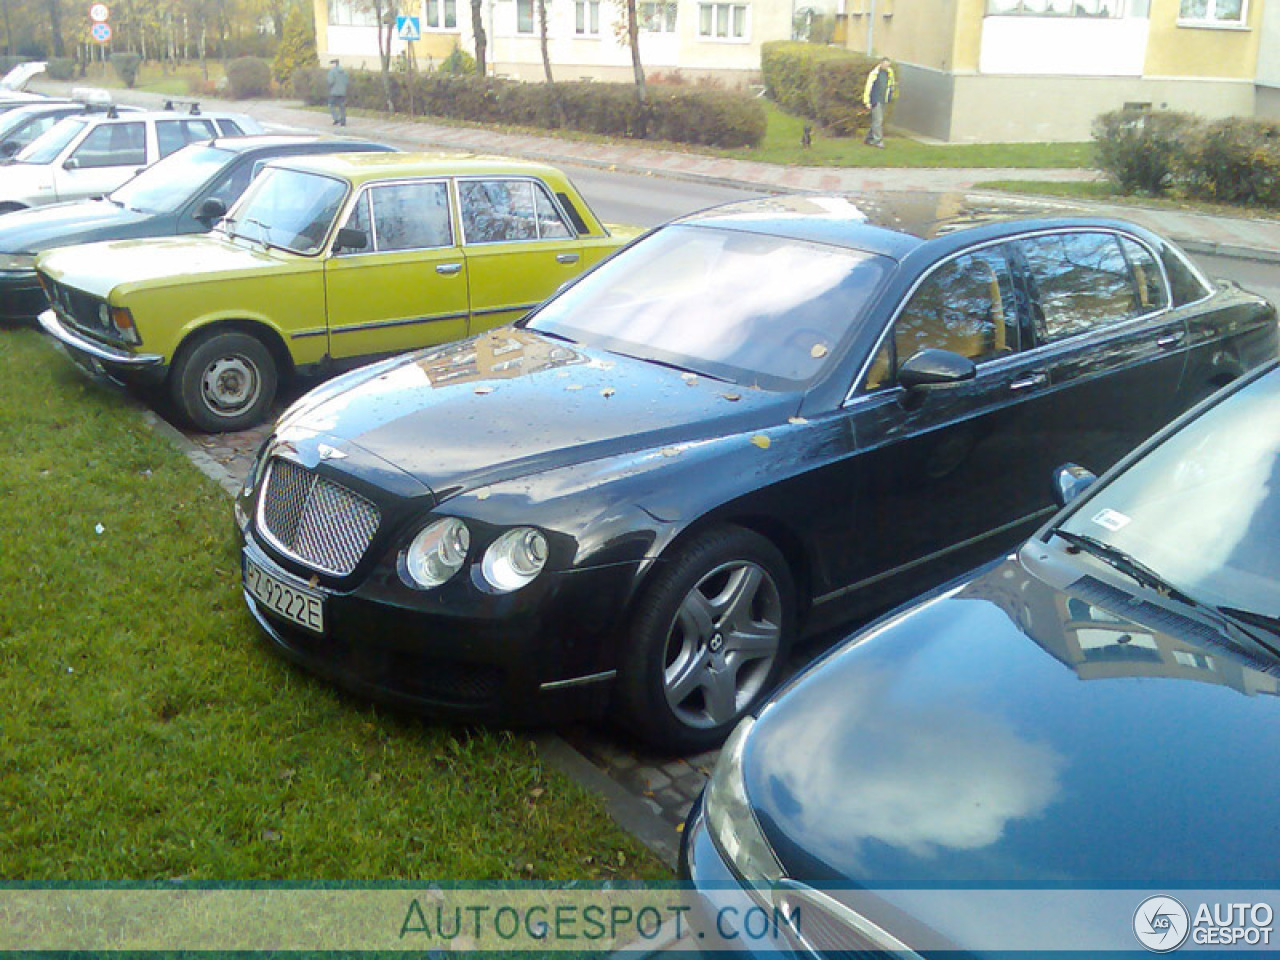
[230, 128]
[1184, 285]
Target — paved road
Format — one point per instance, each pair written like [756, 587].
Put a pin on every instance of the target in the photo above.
[648, 201]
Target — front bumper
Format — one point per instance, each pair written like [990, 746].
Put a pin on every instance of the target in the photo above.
[21, 296]
[512, 663]
[108, 356]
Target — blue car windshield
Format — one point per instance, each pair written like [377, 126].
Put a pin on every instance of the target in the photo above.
[171, 183]
[1202, 509]
[754, 309]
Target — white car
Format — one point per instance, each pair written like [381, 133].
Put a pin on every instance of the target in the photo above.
[89, 156]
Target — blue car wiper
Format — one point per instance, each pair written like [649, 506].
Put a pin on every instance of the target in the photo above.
[1251, 622]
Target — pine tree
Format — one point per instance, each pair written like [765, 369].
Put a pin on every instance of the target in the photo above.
[297, 46]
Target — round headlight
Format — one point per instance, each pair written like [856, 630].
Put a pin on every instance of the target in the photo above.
[515, 559]
[437, 553]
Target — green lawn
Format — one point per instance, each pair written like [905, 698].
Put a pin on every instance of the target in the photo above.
[782, 145]
[181, 81]
[150, 737]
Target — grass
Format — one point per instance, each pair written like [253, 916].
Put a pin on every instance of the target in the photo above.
[181, 81]
[782, 145]
[151, 738]
[1105, 192]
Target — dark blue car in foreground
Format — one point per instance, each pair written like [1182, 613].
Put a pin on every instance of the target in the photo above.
[1098, 711]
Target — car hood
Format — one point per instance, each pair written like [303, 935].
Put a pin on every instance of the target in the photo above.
[1011, 735]
[31, 231]
[100, 268]
[512, 403]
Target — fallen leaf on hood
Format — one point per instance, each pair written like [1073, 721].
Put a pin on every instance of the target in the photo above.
[608, 392]
[483, 390]
[819, 350]
[761, 441]
[797, 420]
[483, 494]
[732, 397]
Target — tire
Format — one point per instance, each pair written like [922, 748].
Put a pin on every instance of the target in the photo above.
[697, 657]
[224, 382]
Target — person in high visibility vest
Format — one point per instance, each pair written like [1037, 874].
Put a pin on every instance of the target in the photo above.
[880, 90]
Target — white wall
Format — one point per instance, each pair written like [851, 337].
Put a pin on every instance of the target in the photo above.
[1063, 46]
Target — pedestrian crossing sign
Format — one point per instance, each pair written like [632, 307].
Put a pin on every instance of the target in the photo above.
[407, 29]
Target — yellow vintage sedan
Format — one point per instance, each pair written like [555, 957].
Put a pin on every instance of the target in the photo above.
[326, 262]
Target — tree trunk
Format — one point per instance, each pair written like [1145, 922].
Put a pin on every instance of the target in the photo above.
[633, 38]
[55, 26]
[386, 24]
[542, 29]
[8, 31]
[477, 27]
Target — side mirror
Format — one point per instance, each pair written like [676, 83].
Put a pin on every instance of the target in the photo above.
[211, 210]
[935, 368]
[1069, 481]
[71, 163]
[9, 148]
[349, 238]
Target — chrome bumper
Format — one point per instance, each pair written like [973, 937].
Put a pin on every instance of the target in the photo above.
[53, 326]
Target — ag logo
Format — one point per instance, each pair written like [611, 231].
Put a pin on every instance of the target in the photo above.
[1161, 924]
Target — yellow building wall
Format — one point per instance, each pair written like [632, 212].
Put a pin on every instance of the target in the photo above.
[320, 14]
[915, 32]
[1174, 51]
[968, 35]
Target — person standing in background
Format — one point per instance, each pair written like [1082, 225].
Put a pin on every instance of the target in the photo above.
[337, 78]
[880, 90]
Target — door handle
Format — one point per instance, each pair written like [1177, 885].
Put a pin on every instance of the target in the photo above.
[448, 269]
[566, 258]
[1169, 341]
[1037, 379]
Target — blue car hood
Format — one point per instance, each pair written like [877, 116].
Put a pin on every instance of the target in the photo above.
[64, 224]
[1012, 735]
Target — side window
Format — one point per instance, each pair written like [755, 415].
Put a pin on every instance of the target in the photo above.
[497, 211]
[411, 216]
[1148, 284]
[966, 306]
[229, 190]
[359, 220]
[551, 225]
[113, 145]
[230, 128]
[173, 135]
[1083, 282]
[34, 129]
[1187, 287]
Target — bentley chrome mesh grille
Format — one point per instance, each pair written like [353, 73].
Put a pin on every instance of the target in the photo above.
[314, 520]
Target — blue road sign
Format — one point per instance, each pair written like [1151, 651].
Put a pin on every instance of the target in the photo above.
[408, 29]
[102, 32]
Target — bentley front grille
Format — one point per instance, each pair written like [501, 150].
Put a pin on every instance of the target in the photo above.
[314, 520]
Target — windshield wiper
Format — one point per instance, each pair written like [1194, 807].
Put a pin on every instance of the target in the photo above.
[1244, 622]
[1132, 568]
[671, 366]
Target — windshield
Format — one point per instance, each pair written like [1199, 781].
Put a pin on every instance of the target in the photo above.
[45, 149]
[1202, 510]
[756, 310]
[12, 120]
[287, 209]
[169, 184]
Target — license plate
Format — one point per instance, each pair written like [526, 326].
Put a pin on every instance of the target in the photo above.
[302, 607]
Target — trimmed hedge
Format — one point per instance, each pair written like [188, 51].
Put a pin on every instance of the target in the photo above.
[249, 77]
[310, 85]
[682, 114]
[1235, 160]
[126, 67]
[61, 68]
[822, 83]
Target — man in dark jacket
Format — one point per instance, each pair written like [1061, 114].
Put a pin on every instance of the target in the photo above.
[879, 92]
[337, 78]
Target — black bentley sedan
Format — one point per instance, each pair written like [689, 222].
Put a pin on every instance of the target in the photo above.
[1076, 717]
[753, 423]
[186, 192]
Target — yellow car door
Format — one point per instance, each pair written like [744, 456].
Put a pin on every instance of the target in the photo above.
[396, 277]
[520, 247]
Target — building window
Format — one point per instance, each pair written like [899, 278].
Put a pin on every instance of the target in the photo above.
[524, 16]
[351, 13]
[587, 18]
[1213, 12]
[722, 21]
[1098, 9]
[441, 15]
[657, 17]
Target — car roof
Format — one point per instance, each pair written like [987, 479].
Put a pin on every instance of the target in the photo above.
[166, 115]
[272, 140]
[362, 167]
[895, 224]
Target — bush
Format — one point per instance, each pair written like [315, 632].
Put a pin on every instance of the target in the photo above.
[249, 77]
[298, 45]
[1142, 151]
[1236, 160]
[822, 83]
[683, 114]
[458, 62]
[62, 68]
[126, 67]
[310, 85]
